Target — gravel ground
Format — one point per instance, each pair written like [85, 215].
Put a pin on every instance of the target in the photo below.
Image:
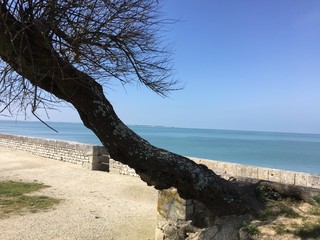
[96, 205]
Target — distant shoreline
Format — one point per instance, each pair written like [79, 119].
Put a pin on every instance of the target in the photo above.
[177, 127]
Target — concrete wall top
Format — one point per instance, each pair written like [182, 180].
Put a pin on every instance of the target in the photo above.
[40, 140]
[91, 156]
[228, 169]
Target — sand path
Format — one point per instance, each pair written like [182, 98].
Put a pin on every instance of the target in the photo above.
[96, 205]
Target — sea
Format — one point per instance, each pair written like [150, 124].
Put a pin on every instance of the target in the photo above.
[287, 151]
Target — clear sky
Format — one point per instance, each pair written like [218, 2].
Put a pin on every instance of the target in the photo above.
[245, 65]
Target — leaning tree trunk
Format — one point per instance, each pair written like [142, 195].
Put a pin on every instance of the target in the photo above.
[31, 55]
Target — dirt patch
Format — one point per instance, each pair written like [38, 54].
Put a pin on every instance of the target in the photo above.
[96, 205]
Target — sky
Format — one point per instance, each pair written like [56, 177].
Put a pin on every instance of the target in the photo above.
[245, 65]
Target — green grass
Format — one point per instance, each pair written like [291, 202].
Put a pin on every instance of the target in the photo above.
[277, 206]
[317, 199]
[287, 211]
[309, 231]
[12, 189]
[14, 201]
[306, 231]
[315, 210]
[280, 229]
[252, 229]
[275, 209]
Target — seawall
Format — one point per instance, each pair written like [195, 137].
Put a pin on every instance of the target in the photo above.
[97, 158]
[89, 156]
[228, 170]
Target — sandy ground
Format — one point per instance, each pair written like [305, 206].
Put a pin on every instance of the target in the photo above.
[96, 205]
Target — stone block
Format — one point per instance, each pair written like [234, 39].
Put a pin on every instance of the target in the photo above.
[221, 168]
[99, 150]
[159, 234]
[301, 179]
[213, 165]
[263, 174]
[314, 181]
[231, 169]
[99, 163]
[287, 177]
[274, 175]
[253, 172]
[247, 171]
[172, 207]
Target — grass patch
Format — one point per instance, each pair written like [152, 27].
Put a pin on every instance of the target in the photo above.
[287, 211]
[275, 209]
[309, 231]
[287, 218]
[317, 199]
[252, 229]
[14, 201]
[280, 229]
[315, 210]
[12, 189]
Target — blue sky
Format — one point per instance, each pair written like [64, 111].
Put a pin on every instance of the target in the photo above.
[245, 65]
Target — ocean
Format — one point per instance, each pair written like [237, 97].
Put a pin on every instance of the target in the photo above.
[287, 151]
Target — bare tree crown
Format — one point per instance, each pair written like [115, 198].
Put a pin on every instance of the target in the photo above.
[106, 39]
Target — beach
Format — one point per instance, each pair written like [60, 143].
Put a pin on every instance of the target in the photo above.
[95, 204]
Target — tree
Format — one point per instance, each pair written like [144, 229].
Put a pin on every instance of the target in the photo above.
[65, 50]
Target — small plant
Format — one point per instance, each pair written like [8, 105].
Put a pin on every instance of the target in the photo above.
[317, 199]
[13, 200]
[267, 214]
[252, 229]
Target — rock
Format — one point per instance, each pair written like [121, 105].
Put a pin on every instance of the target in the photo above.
[225, 228]
[176, 230]
[194, 236]
[243, 234]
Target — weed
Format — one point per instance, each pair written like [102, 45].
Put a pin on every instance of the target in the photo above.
[252, 229]
[267, 214]
[317, 199]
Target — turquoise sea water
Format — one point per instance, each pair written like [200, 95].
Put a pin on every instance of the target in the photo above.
[289, 151]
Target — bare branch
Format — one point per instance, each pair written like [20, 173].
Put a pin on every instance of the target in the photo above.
[108, 40]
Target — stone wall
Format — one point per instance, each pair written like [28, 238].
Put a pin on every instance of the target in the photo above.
[86, 155]
[227, 170]
[120, 168]
[176, 213]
